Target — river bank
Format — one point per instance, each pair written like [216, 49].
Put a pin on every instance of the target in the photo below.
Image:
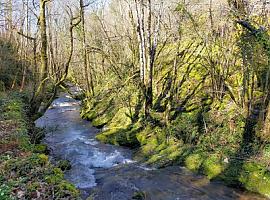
[219, 156]
[25, 168]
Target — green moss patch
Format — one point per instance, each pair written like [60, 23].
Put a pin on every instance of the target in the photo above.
[212, 166]
[64, 165]
[194, 161]
[122, 137]
[41, 148]
[256, 178]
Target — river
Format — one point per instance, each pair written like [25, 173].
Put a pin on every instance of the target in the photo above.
[109, 173]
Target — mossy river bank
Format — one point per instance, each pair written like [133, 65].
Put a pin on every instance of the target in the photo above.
[106, 172]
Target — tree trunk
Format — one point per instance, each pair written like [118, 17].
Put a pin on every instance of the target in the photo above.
[44, 45]
[90, 85]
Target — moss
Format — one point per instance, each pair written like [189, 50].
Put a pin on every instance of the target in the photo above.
[43, 159]
[121, 119]
[165, 155]
[62, 187]
[232, 172]
[70, 188]
[186, 140]
[139, 195]
[92, 110]
[149, 139]
[256, 178]
[123, 137]
[143, 137]
[99, 122]
[41, 148]
[212, 166]
[88, 106]
[64, 165]
[149, 148]
[194, 161]
[157, 149]
[55, 177]
[104, 137]
[90, 115]
[175, 152]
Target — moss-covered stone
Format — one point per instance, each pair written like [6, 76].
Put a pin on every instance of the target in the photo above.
[212, 166]
[101, 121]
[256, 178]
[166, 156]
[194, 161]
[182, 141]
[121, 119]
[95, 109]
[90, 115]
[122, 137]
[231, 174]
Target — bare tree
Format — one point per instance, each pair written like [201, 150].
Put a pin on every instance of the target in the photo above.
[148, 42]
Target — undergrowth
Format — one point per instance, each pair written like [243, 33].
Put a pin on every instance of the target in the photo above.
[25, 168]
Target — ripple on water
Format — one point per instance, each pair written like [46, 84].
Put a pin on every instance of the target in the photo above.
[81, 176]
[92, 142]
[100, 159]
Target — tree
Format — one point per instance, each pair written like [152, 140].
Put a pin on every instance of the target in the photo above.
[148, 42]
[90, 84]
[44, 42]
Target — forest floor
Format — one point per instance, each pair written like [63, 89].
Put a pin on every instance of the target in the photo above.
[25, 168]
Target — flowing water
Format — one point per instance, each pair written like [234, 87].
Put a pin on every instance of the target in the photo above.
[109, 172]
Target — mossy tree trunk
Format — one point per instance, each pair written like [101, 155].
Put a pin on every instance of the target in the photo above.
[43, 71]
[44, 42]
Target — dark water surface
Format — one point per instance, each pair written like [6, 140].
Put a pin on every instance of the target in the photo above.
[108, 171]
